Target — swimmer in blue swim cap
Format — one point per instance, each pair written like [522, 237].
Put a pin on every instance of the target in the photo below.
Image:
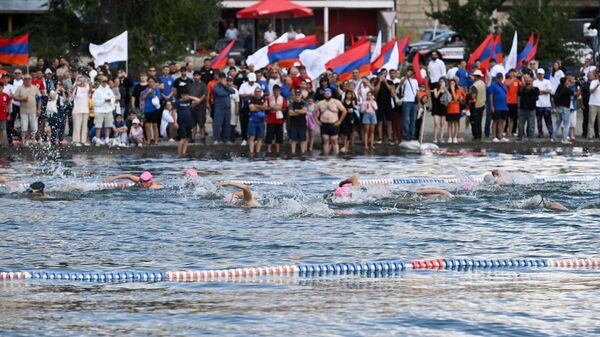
[244, 196]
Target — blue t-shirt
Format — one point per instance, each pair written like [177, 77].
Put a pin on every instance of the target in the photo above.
[119, 124]
[148, 106]
[573, 98]
[285, 91]
[463, 78]
[167, 81]
[499, 92]
[184, 110]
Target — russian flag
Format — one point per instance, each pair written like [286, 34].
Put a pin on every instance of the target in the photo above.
[477, 53]
[403, 49]
[289, 52]
[384, 57]
[358, 57]
[221, 60]
[498, 53]
[15, 50]
[523, 56]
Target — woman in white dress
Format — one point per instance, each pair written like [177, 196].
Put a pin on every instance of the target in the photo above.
[81, 111]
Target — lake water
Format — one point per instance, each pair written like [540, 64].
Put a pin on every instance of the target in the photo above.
[183, 227]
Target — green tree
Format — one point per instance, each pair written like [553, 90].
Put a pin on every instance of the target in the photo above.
[549, 19]
[471, 19]
[159, 30]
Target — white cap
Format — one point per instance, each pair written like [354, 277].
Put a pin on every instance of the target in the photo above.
[541, 71]
[252, 77]
[477, 73]
[296, 64]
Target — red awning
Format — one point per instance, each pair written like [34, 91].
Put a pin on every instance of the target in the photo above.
[274, 9]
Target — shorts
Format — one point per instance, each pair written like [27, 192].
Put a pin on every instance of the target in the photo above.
[185, 130]
[153, 117]
[29, 122]
[103, 120]
[327, 129]
[199, 117]
[513, 111]
[274, 132]
[384, 115]
[298, 133]
[499, 114]
[256, 130]
[453, 117]
[369, 118]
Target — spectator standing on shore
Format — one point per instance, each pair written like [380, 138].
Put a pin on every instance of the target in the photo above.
[182, 115]
[277, 105]
[499, 108]
[410, 105]
[270, 35]
[464, 81]
[4, 113]
[512, 98]
[232, 32]
[104, 100]
[594, 102]
[438, 110]
[222, 114]
[331, 114]
[30, 108]
[368, 109]
[246, 92]
[529, 96]
[543, 105]
[235, 111]
[453, 114]
[199, 90]
[562, 101]
[298, 122]
[436, 69]
[556, 76]
[182, 82]
[152, 112]
[207, 73]
[480, 104]
[347, 127]
[311, 122]
[383, 94]
[256, 121]
[575, 94]
[167, 85]
[10, 89]
[137, 105]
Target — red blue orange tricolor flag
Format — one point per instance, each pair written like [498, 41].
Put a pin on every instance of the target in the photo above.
[15, 50]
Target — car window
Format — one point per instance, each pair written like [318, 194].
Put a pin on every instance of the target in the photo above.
[427, 36]
[441, 38]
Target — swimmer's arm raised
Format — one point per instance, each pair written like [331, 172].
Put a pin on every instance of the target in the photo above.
[122, 176]
[247, 192]
[352, 180]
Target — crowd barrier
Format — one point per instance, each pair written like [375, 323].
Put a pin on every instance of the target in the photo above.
[303, 270]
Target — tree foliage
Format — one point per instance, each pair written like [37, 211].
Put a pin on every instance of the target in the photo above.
[471, 19]
[549, 19]
[159, 30]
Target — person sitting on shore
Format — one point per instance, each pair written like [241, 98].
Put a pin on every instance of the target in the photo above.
[244, 196]
[144, 180]
[345, 189]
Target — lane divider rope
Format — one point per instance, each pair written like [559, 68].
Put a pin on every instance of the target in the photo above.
[381, 268]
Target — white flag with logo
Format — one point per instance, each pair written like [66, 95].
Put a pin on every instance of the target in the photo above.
[113, 50]
[511, 60]
[260, 58]
[314, 59]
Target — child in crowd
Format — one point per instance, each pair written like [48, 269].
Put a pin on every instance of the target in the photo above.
[120, 131]
[167, 122]
[52, 114]
[311, 122]
[368, 109]
[136, 134]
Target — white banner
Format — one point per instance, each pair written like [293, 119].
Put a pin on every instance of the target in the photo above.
[314, 59]
[511, 61]
[113, 50]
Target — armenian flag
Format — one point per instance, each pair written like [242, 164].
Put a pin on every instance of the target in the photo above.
[403, 49]
[498, 53]
[289, 52]
[358, 57]
[524, 55]
[221, 60]
[15, 50]
[477, 53]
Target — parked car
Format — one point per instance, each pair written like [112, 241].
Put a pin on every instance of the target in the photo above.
[447, 42]
[238, 51]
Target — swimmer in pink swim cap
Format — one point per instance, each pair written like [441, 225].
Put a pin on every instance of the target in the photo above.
[245, 195]
[346, 185]
[192, 173]
[144, 180]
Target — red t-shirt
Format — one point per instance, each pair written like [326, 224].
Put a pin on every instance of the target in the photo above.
[39, 84]
[513, 91]
[4, 104]
[271, 115]
[296, 82]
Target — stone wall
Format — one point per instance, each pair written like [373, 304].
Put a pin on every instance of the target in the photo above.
[412, 18]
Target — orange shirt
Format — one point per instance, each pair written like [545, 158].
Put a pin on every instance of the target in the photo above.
[454, 105]
[513, 91]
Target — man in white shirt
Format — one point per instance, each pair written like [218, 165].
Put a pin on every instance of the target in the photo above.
[270, 35]
[232, 33]
[496, 68]
[410, 103]
[16, 105]
[299, 34]
[543, 104]
[246, 93]
[555, 77]
[586, 68]
[104, 104]
[436, 69]
[594, 102]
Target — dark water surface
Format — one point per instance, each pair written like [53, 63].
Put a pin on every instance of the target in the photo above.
[185, 227]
